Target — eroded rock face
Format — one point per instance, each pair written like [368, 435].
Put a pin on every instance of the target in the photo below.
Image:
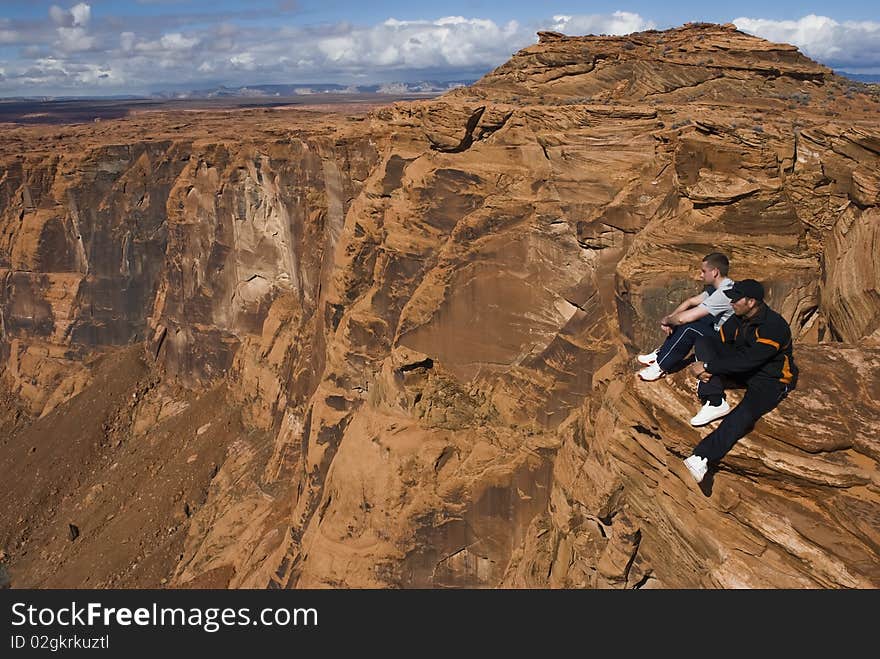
[424, 321]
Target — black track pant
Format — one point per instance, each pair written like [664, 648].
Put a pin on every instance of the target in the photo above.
[762, 396]
[706, 348]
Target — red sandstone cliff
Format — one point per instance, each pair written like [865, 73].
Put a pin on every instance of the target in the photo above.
[395, 350]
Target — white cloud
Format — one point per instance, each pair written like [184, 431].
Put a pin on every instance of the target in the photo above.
[78, 16]
[59, 16]
[226, 30]
[51, 70]
[169, 46]
[244, 61]
[47, 66]
[176, 41]
[8, 36]
[74, 39]
[338, 49]
[99, 76]
[72, 33]
[126, 41]
[620, 22]
[451, 41]
[81, 13]
[851, 44]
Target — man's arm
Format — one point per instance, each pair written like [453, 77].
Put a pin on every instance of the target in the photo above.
[727, 333]
[690, 302]
[686, 312]
[743, 360]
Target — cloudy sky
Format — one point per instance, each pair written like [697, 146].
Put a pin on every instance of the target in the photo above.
[97, 47]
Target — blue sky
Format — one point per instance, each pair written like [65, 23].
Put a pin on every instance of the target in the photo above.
[137, 46]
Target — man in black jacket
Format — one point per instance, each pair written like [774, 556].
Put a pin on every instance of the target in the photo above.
[753, 348]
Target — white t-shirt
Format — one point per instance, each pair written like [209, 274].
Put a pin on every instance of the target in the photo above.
[718, 304]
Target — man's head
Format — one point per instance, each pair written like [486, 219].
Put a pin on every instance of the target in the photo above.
[714, 267]
[745, 296]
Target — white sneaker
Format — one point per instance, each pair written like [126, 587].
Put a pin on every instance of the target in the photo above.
[697, 466]
[648, 359]
[709, 413]
[651, 373]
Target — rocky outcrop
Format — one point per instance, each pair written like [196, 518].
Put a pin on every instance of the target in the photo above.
[423, 321]
[781, 511]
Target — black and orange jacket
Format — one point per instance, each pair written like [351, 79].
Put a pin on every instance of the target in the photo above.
[758, 347]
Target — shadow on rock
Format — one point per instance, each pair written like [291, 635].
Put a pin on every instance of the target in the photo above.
[707, 482]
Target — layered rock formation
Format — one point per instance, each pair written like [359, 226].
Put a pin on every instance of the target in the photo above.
[394, 350]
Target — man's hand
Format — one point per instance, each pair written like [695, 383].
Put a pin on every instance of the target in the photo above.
[701, 373]
[666, 328]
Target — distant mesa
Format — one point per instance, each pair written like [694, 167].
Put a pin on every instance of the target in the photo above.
[429, 87]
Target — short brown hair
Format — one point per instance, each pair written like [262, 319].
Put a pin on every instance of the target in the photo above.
[719, 261]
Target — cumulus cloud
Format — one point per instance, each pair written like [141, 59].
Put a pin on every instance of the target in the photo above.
[73, 35]
[78, 16]
[43, 71]
[73, 39]
[620, 22]
[850, 44]
[176, 41]
[126, 41]
[59, 16]
[245, 61]
[81, 14]
[170, 47]
[452, 41]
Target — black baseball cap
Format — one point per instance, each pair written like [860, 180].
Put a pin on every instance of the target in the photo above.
[746, 288]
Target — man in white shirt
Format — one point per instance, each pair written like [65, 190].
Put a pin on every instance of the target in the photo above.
[694, 317]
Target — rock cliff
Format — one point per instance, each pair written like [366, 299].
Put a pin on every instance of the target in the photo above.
[296, 349]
